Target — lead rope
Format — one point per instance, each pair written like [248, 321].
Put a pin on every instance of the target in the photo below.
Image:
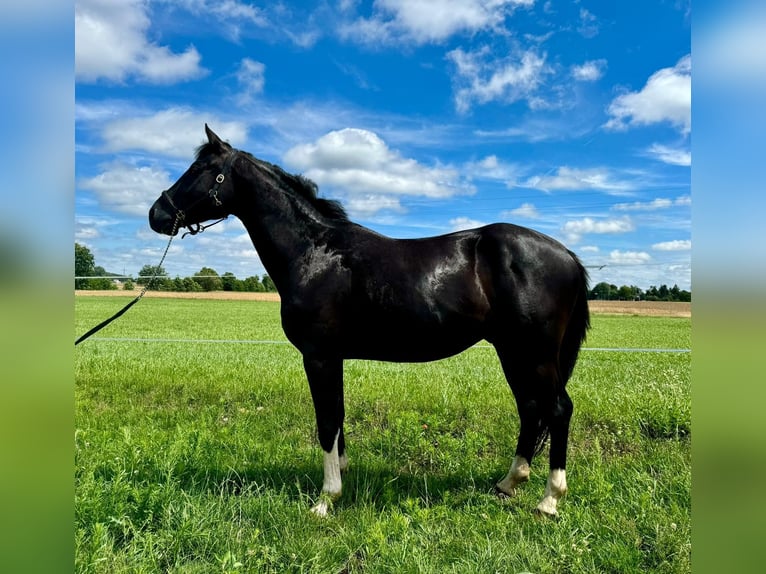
[140, 295]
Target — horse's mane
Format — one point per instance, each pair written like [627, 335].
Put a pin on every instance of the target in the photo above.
[302, 186]
[307, 189]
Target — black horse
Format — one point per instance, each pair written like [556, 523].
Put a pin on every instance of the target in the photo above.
[348, 292]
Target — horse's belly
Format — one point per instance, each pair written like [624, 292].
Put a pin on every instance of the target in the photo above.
[409, 343]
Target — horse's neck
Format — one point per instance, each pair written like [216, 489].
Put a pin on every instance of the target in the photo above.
[282, 233]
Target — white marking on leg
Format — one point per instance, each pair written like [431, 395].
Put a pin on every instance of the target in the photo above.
[555, 488]
[518, 474]
[331, 487]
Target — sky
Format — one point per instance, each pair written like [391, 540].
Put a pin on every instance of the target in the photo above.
[422, 117]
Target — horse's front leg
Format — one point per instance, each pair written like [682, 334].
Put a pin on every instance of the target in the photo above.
[325, 378]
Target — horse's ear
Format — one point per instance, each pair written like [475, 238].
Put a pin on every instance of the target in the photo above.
[212, 137]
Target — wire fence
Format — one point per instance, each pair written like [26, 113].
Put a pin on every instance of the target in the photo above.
[285, 342]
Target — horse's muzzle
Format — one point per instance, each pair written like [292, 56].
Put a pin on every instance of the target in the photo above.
[161, 221]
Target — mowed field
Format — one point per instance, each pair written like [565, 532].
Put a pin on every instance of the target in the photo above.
[195, 451]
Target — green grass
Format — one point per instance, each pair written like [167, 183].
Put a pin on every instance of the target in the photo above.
[202, 457]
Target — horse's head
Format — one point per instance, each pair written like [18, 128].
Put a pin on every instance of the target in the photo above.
[203, 192]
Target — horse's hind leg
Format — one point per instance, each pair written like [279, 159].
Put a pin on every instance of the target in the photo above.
[528, 406]
[544, 408]
[556, 486]
[326, 383]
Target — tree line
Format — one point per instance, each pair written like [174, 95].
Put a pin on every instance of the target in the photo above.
[207, 279]
[606, 292]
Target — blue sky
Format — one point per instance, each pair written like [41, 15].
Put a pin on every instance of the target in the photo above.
[573, 118]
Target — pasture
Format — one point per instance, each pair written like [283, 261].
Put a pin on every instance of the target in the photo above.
[196, 451]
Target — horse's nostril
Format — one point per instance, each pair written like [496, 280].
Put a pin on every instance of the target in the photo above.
[158, 220]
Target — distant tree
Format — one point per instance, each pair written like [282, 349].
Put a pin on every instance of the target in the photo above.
[160, 283]
[602, 291]
[268, 284]
[208, 279]
[626, 293]
[101, 284]
[191, 285]
[147, 271]
[84, 264]
[231, 283]
[178, 284]
[128, 285]
[253, 285]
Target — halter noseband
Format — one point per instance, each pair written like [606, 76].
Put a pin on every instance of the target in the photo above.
[180, 215]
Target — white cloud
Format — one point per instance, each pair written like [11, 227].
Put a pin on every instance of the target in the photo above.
[273, 20]
[127, 189]
[666, 97]
[346, 5]
[89, 227]
[250, 76]
[111, 43]
[658, 203]
[572, 179]
[482, 80]
[671, 155]
[224, 10]
[461, 223]
[359, 164]
[525, 210]
[676, 245]
[618, 257]
[575, 229]
[538, 129]
[369, 204]
[589, 71]
[432, 21]
[175, 132]
[589, 26]
[492, 168]
[230, 18]
[84, 233]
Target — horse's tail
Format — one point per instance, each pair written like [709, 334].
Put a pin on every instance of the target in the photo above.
[574, 335]
[578, 326]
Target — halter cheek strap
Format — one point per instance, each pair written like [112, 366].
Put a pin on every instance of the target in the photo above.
[195, 228]
[221, 177]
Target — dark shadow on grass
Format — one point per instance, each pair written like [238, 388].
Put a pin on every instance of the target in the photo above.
[378, 485]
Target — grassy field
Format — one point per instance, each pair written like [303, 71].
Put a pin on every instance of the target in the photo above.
[202, 456]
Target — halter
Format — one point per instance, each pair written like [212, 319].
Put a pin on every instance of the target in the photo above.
[180, 215]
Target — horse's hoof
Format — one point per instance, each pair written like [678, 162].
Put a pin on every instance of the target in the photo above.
[324, 504]
[321, 509]
[546, 510]
[503, 495]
